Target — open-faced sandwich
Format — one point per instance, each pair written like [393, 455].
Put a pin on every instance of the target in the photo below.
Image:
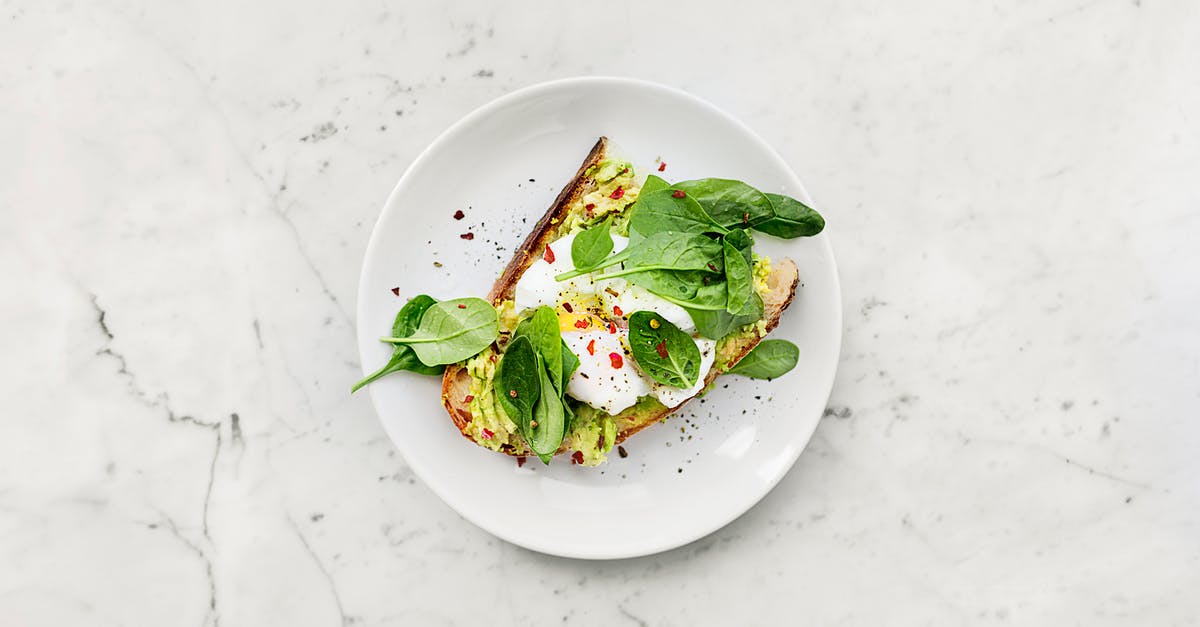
[628, 298]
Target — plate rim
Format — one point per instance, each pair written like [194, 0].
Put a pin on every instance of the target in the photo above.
[452, 132]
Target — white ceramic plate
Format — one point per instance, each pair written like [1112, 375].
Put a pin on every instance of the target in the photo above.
[502, 165]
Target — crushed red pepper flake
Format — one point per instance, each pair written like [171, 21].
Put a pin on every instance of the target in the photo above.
[612, 328]
[577, 457]
[581, 324]
[746, 218]
[568, 307]
[712, 267]
[520, 461]
[487, 434]
[662, 166]
[468, 235]
[617, 311]
[459, 215]
[468, 398]
[616, 360]
[512, 393]
[396, 291]
[592, 347]
[661, 348]
[617, 193]
[548, 255]
[679, 193]
[462, 306]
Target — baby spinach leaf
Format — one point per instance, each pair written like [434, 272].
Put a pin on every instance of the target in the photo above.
[661, 210]
[403, 357]
[452, 330]
[570, 363]
[653, 184]
[739, 281]
[717, 323]
[516, 383]
[730, 203]
[545, 433]
[663, 351]
[669, 250]
[542, 330]
[591, 246]
[768, 360]
[792, 219]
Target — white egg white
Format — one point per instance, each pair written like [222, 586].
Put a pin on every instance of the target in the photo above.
[597, 382]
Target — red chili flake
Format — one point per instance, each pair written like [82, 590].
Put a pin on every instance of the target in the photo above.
[581, 324]
[548, 255]
[617, 193]
[746, 218]
[616, 360]
[712, 267]
[468, 398]
[467, 235]
[462, 306]
[661, 347]
[487, 434]
[577, 457]
[612, 328]
[592, 347]
[396, 291]
[617, 311]
[512, 393]
[662, 166]
[568, 307]
[492, 358]
[679, 193]
[520, 461]
[459, 215]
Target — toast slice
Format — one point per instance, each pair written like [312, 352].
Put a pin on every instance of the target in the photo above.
[456, 382]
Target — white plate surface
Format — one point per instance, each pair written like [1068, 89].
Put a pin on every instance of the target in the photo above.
[682, 479]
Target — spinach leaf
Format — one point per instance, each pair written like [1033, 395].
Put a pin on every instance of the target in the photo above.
[570, 363]
[662, 211]
[403, 357]
[768, 360]
[545, 433]
[717, 323]
[542, 330]
[453, 330]
[663, 351]
[738, 280]
[516, 383]
[730, 203]
[669, 250]
[653, 184]
[792, 219]
[591, 246]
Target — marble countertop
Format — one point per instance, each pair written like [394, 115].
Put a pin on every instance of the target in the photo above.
[187, 189]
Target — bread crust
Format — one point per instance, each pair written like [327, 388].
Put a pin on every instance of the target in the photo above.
[456, 382]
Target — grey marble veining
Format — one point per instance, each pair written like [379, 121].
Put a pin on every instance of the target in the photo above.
[186, 191]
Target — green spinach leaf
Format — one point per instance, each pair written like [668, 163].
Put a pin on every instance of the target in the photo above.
[403, 357]
[739, 280]
[768, 360]
[792, 219]
[517, 383]
[545, 433]
[452, 330]
[669, 250]
[653, 184]
[591, 246]
[730, 203]
[717, 323]
[542, 330]
[663, 351]
[662, 210]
